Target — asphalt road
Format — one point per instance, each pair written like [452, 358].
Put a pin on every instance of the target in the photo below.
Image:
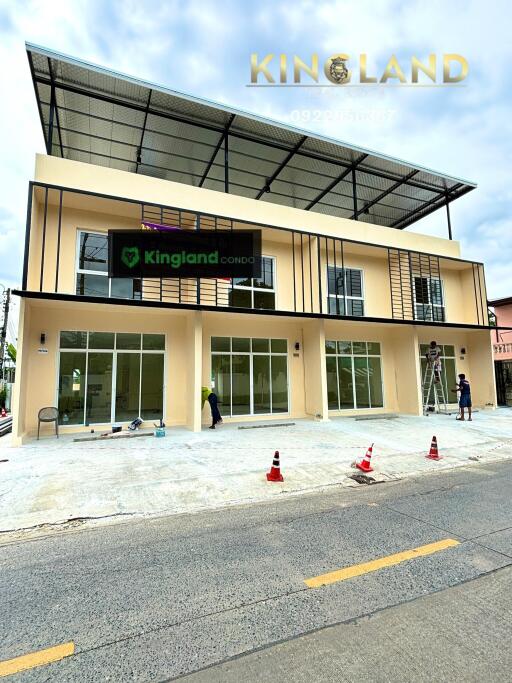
[222, 593]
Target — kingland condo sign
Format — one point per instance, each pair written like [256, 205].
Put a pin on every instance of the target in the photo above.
[183, 253]
[342, 69]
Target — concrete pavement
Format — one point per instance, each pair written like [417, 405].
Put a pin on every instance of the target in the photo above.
[459, 634]
[157, 599]
[53, 481]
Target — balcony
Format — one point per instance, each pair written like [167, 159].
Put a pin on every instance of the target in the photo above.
[304, 273]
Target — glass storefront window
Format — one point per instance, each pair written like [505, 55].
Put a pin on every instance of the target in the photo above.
[354, 375]
[250, 376]
[99, 384]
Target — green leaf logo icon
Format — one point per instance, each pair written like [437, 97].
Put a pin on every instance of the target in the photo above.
[130, 256]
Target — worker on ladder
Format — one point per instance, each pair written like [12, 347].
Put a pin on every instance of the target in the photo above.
[433, 357]
[433, 389]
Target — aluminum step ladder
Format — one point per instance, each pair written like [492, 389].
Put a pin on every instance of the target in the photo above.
[427, 384]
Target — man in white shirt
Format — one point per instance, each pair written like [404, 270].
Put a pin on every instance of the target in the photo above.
[433, 357]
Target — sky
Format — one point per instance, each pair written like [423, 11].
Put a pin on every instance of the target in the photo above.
[203, 47]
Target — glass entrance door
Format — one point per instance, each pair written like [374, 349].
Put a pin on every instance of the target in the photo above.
[99, 387]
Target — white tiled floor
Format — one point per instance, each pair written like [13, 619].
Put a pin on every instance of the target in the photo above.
[52, 480]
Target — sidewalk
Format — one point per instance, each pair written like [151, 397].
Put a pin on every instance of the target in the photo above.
[53, 481]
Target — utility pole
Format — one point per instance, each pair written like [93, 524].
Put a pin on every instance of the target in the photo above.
[3, 332]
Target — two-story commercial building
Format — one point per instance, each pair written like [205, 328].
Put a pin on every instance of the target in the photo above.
[339, 320]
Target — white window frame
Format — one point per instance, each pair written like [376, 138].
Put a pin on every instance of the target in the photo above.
[254, 289]
[346, 297]
[352, 355]
[84, 271]
[114, 353]
[251, 355]
[429, 306]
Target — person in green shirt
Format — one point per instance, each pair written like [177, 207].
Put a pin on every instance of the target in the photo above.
[208, 395]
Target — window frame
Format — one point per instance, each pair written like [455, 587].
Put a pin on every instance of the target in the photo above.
[429, 305]
[85, 271]
[251, 355]
[346, 297]
[114, 353]
[253, 289]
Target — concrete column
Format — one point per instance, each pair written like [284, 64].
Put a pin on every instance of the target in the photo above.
[18, 407]
[194, 338]
[315, 374]
[481, 368]
[405, 345]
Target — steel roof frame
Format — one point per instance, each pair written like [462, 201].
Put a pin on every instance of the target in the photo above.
[442, 195]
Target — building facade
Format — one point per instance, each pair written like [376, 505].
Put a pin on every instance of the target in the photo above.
[502, 349]
[338, 322]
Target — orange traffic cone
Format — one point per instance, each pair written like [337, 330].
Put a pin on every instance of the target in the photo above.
[365, 465]
[275, 470]
[433, 453]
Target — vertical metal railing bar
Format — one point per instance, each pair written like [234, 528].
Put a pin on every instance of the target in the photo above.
[59, 229]
[401, 283]
[319, 268]
[310, 275]
[294, 276]
[480, 293]
[28, 230]
[443, 310]
[161, 223]
[327, 272]
[216, 279]
[411, 279]
[302, 269]
[485, 320]
[390, 283]
[198, 280]
[342, 248]
[421, 279]
[43, 241]
[336, 300]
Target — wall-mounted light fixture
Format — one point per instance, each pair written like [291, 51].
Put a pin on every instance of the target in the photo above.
[463, 350]
[297, 346]
[42, 338]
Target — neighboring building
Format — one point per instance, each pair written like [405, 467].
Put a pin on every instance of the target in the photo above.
[502, 347]
[336, 325]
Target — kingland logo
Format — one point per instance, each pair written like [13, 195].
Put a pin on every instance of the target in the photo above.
[131, 256]
[343, 70]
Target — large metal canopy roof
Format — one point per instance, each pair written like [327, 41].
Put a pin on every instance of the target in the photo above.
[110, 119]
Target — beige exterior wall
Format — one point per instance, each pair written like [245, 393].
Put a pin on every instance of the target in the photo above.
[188, 358]
[188, 332]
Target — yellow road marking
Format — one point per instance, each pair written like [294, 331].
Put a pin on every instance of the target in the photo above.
[50, 654]
[380, 563]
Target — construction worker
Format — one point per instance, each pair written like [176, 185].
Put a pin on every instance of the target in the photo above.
[208, 395]
[465, 397]
[433, 357]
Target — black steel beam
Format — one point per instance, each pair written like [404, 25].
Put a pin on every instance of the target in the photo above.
[28, 227]
[449, 221]
[226, 163]
[56, 108]
[148, 303]
[333, 184]
[282, 165]
[434, 204]
[139, 149]
[377, 199]
[216, 150]
[354, 192]
[238, 134]
[49, 142]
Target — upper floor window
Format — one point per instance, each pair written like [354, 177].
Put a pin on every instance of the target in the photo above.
[345, 285]
[255, 292]
[428, 299]
[92, 270]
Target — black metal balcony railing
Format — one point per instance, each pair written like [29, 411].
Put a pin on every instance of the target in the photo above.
[324, 280]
